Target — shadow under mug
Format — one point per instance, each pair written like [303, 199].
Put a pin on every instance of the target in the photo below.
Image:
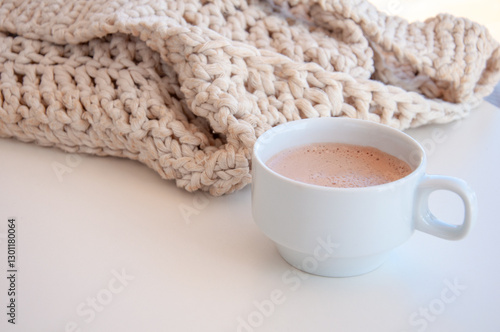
[340, 232]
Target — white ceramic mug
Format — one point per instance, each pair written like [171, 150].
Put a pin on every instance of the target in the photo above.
[343, 232]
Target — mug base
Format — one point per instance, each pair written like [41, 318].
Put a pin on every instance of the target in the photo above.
[332, 266]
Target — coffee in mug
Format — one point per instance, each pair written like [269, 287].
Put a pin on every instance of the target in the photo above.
[338, 165]
[346, 231]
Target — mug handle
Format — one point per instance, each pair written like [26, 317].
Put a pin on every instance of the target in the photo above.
[426, 222]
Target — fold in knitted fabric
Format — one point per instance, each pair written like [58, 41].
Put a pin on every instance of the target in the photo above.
[186, 87]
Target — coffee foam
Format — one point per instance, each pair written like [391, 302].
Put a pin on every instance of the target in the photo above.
[339, 165]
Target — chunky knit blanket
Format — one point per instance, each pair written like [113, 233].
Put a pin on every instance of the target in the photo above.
[187, 86]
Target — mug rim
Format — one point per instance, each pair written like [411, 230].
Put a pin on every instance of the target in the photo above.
[420, 169]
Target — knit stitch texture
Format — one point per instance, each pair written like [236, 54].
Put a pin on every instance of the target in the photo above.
[186, 87]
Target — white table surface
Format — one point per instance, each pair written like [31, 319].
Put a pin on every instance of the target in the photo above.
[105, 245]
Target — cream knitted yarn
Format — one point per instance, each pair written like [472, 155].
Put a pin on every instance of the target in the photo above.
[186, 87]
